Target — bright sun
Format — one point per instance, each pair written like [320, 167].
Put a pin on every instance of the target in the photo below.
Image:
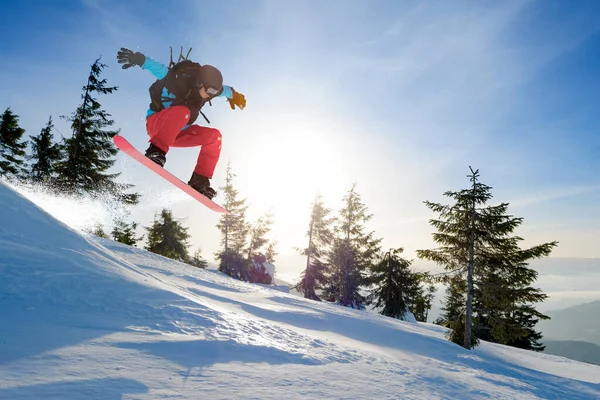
[290, 162]
[301, 158]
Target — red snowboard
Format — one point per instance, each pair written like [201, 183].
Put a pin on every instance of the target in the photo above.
[131, 151]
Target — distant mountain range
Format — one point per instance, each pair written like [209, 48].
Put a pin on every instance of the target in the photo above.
[573, 332]
[579, 323]
[575, 350]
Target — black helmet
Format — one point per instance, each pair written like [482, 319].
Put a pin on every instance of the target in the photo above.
[210, 78]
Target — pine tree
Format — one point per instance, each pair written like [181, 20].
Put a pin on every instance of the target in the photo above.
[482, 258]
[457, 230]
[270, 252]
[90, 150]
[352, 253]
[257, 241]
[98, 231]
[393, 284]
[198, 261]
[340, 263]
[312, 278]
[234, 264]
[168, 237]
[45, 153]
[125, 233]
[320, 237]
[453, 312]
[422, 302]
[12, 149]
[234, 230]
[257, 234]
[454, 306]
[504, 297]
[527, 317]
[233, 226]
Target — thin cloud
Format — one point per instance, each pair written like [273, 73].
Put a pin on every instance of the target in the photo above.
[549, 195]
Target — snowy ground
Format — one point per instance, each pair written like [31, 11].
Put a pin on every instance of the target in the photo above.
[87, 318]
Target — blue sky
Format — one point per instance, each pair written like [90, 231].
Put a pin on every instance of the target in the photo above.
[399, 96]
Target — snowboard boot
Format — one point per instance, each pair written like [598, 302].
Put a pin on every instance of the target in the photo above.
[202, 184]
[156, 155]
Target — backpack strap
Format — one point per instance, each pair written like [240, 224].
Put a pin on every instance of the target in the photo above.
[201, 113]
[181, 57]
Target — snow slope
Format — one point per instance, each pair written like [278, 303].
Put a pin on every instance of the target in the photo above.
[93, 319]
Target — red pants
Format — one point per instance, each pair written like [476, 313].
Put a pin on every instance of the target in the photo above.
[165, 131]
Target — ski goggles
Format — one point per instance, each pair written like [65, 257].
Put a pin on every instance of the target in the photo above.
[212, 91]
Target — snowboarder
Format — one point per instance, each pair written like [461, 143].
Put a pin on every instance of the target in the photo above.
[176, 99]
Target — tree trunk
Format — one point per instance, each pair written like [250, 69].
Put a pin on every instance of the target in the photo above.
[306, 274]
[85, 98]
[345, 288]
[226, 232]
[469, 308]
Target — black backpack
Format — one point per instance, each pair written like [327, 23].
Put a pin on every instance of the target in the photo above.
[181, 81]
[185, 69]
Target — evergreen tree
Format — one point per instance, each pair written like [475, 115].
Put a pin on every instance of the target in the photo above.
[352, 253]
[312, 278]
[421, 303]
[320, 237]
[453, 312]
[198, 261]
[457, 231]
[125, 233]
[45, 153]
[483, 259]
[270, 252]
[12, 149]
[98, 231]
[234, 231]
[454, 305]
[393, 283]
[526, 317]
[257, 234]
[246, 270]
[90, 150]
[233, 226]
[340, 263]
[234, 264]
[504, 298]
[168, 237]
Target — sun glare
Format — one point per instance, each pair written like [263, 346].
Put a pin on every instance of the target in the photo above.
[299, 159]
[290, 165]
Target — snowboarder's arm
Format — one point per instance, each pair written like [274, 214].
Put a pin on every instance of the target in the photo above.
[226, 92]
[158, 70]
[234, 98]
[128, 58]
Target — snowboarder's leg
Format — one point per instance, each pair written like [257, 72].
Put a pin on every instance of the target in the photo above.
[164, 126]
[131, 151]
[209, 139]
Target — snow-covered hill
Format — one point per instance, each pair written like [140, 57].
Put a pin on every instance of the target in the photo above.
[84, 318]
